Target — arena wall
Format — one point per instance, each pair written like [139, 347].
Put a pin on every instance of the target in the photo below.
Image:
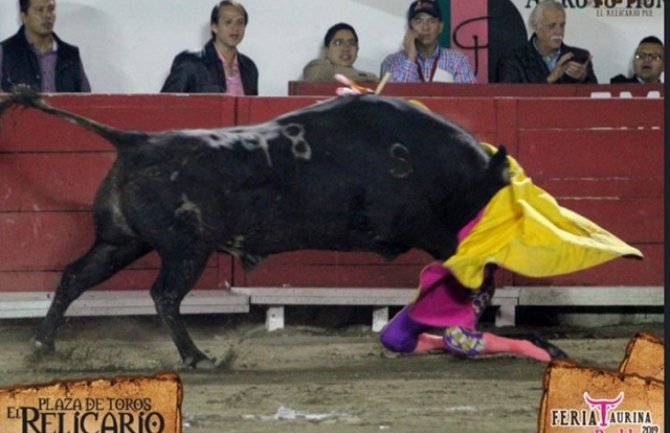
[600, 157]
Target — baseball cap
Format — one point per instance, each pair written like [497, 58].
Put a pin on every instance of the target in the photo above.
[427, 6]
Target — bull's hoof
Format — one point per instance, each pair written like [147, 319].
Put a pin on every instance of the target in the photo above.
[554, 351]
[40, 350]
[43, 348]
[205, 364]
[200, 362]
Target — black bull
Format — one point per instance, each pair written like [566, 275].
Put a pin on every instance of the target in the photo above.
[355, 173]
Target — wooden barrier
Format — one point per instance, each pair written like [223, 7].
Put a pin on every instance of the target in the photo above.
[50, 170]
[600, 157]
[306, 88]
[604, 161]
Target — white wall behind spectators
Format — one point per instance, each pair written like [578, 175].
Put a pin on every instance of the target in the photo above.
[128, 45]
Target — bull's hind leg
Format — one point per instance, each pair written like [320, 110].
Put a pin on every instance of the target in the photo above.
[179, 272]
[101, 262]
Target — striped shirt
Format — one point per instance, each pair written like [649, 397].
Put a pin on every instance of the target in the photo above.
[452, 61]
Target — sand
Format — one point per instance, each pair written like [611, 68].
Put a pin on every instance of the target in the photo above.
[305, 379]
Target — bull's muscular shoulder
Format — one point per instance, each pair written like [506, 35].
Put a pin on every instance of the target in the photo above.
[381, 120]
[370, 107]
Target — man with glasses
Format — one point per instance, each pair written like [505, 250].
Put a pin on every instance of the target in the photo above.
[422, 59]
[341, 49]
[36, 57]
[545, 58]
[648, 64]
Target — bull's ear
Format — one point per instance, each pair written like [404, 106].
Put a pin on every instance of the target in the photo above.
[499, 166]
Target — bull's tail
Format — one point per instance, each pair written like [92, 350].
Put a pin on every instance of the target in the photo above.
[28, 97]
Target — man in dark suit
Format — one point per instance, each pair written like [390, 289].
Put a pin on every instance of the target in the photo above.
[545, 58]
[36, 57]
[648, 63]
[219, 67]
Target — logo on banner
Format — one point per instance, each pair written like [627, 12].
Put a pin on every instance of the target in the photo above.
[627, 8]
[612, 8]
[602, 416]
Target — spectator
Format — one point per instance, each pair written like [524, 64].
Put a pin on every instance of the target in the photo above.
[648, 63]
[546, 59]
[219, 67]
[341, 48]
[422, 59]
[35, 56]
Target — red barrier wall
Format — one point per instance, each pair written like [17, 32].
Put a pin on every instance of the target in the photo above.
[50, 170]
[305, 88]
[602, 158]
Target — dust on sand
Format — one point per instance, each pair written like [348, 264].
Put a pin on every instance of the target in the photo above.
[307, 379]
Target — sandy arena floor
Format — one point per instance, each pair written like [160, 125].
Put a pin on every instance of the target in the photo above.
[306, 379]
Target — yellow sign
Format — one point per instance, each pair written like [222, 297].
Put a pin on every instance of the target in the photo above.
[110, 405]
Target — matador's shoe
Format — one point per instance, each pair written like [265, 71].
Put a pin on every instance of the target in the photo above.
[554, 351]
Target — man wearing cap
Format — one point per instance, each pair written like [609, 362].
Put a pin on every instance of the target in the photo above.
[422, 59]
[36, 57]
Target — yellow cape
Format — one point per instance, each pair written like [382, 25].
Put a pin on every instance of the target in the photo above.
[525, 230]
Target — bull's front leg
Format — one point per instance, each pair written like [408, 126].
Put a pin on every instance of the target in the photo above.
[175, 280]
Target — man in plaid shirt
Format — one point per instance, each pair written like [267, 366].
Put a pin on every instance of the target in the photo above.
[422, 59]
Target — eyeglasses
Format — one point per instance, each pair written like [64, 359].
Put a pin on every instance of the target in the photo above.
[648, 56]
[347, 42]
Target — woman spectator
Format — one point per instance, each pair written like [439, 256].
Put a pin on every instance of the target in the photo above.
[341, 50]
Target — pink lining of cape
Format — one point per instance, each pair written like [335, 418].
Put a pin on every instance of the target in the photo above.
[442, 301]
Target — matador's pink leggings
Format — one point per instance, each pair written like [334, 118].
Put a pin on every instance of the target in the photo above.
[406, 335]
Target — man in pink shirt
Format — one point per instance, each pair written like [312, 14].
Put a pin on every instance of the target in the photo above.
[219, 67]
